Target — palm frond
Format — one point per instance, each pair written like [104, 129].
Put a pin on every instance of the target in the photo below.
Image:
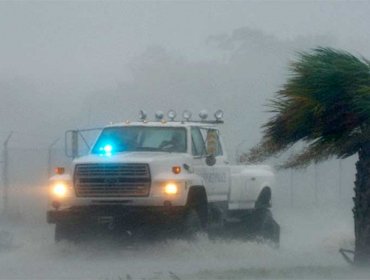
[325, 103]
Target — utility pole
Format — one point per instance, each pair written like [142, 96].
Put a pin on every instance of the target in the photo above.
[50, 151]
[238, 152]
[5, 174]
[75, 149]
[316, 190]
[340, 181]
[291, 188]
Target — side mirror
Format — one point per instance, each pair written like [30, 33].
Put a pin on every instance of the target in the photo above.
[78, 142]
[211, 160]
[71, 143]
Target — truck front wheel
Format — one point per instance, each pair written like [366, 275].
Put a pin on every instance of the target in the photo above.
[192, 224]
[196, 214]
[65, 231]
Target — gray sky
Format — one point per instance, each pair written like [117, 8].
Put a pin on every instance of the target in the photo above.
[53, 55]
[67, 65]
[88, 44]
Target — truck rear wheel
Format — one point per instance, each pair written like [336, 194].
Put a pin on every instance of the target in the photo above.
[264, 226]
[257, 224]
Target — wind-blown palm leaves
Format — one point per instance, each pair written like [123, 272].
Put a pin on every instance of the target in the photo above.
[325, 104]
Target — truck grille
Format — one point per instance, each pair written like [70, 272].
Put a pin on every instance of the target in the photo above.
[112, 180]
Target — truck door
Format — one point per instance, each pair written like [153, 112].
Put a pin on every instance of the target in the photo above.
[205, 141]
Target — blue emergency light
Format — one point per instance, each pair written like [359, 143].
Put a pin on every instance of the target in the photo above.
[107, 150]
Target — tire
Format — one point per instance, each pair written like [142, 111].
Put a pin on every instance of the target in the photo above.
[265, 226]
[64, 231]
[192, 224]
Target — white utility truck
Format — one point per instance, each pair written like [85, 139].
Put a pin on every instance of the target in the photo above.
[164, 175]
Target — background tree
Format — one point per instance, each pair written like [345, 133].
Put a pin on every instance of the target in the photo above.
[325, 104]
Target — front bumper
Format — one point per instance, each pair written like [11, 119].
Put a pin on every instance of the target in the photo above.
[124, 215]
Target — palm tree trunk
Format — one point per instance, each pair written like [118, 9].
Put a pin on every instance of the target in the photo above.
[361, 210]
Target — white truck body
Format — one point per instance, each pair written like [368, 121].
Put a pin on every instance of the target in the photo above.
[225, 187]
[238, 185]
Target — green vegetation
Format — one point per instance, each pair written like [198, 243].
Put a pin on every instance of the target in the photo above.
[325, 105]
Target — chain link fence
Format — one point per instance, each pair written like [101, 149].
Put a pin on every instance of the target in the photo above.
[29, 168]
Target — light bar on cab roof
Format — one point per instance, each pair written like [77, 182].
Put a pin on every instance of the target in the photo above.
[203, 115]
[171, 115]
[219, 114]
[142, 115]
[159, 115]
[186, 116]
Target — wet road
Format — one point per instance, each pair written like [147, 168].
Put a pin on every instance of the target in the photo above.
[310, 240]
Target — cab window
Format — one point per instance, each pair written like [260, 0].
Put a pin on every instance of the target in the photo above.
[205, 141]
[212, 141]
[198, 146]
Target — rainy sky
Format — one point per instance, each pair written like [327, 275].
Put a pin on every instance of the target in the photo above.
[77, 64]
[66, 64]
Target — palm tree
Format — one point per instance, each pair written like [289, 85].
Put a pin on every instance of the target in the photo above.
[325, 104]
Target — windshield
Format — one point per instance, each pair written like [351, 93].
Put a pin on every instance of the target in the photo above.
[140, 138]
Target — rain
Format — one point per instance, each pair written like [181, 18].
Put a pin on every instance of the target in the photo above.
[83, 64]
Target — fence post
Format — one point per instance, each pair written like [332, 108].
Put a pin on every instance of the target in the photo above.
[5, 174]
[75, 143]
[316, 186]
[340, 181]
[291, 188]
[50, 150]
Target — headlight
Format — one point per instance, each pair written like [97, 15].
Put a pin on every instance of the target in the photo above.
[171, 188]
[60, 189]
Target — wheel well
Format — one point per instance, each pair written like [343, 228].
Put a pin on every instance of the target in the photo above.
[197, 199]
[264, 198]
